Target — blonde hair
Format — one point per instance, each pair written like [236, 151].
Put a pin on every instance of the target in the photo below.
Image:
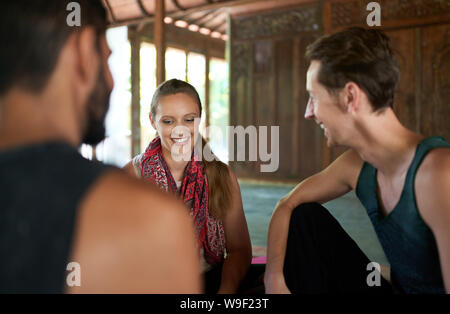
[217, 173]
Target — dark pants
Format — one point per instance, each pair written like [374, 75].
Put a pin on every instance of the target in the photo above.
[253, 282]
[322, 258]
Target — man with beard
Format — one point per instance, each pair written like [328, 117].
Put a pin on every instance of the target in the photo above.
[55, 206]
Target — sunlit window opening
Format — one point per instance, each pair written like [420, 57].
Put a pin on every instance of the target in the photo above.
[175, 64]
[218, 107]
[148, 87]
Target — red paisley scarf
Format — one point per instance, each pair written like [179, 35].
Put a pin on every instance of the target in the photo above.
[195, 194]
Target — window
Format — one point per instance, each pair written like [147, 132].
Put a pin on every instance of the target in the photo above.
[148, 87]
[196, 77]
[175, 64]
[218, 106]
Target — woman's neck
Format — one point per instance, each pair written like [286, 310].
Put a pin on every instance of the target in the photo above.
[176, 167]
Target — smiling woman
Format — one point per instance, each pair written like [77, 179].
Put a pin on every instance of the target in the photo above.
[208, 188]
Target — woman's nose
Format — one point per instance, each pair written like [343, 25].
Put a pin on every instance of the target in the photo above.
[180, 130]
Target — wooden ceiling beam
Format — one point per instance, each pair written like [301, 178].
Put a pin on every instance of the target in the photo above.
[217, 26]
[175, 3]
[205, 19]
[194, 21]
[142, 8]
[109, 8]
[175, 15]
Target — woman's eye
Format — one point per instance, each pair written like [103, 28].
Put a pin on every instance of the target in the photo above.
[190, 120]
[167, 121]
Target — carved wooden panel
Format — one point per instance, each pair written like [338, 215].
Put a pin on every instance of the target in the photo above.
[267, 62]
[268, 25]
[262, 56]
[339, 14]
[284, 104]
[405, 105]
[435, 117]
[240, 93]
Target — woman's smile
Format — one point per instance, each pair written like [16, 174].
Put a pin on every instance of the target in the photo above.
[181, 140]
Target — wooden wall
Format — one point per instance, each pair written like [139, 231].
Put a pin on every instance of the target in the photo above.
[267, 87]
[267, 74]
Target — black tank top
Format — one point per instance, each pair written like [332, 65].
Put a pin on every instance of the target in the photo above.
[41, 187]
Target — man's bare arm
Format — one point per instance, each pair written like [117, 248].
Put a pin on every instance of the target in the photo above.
[431, 188]
[339, 178]
[133, 238]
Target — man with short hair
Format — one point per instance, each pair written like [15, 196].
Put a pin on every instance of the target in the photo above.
[55, 206]
[400, 177]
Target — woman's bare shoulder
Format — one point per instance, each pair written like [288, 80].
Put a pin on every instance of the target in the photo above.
[133, 167]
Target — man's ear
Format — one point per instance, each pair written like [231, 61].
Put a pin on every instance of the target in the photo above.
[87, 59]
[352, 95]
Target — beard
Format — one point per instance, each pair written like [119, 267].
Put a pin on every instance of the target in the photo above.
[97, 108]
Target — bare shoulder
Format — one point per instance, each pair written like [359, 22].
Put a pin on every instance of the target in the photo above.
[435, 169]
[129, 168]
[432, 184]
[126, 226]
[132, 167]
[436, 159]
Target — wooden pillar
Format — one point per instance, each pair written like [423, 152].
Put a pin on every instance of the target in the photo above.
[296, 56]
[135, 95]
[186, 66]
[160, 41]
[94, 152]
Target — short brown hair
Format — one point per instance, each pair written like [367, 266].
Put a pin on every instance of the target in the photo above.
[358, 55]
